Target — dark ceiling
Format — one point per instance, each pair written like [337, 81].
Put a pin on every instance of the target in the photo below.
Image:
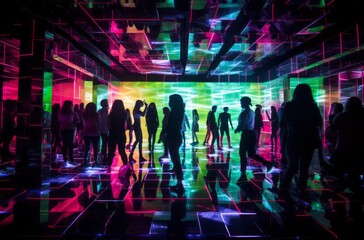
[248, 40]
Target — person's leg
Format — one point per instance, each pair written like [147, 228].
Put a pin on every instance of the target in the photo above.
[86, 153]
[96, 146]
[304, 164]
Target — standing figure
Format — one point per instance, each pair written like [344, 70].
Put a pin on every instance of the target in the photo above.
[91, 133]
[104, 127]
[67, 122]
[79, 110]
[117, 119]
[274, 127]
[223, 123]
[258, 124]
[211, 119]
[247, 140]
[162, 135]
[301, 118]
[330, 135]
[174, 137]
[129, 127]
[185, 125]
[208, 132]
[137, 114]
[195, 126]
[9, 130]
[55, 131]
[152, 122]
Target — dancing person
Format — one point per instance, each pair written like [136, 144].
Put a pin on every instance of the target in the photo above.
[91, 133]
[117, 119]
[274, 127]
[223, 122]
[152, 122]
[56, 141]
[211, 119]
[104, 127]
[67, 123]
[301, 118]
[247, 139]
[162, 135]
[258, 124]
[174, 137]
[185, 125]
[195, 126]
[137, 115]
[129, 127]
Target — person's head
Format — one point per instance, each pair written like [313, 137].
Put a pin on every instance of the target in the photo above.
[165, 110]
[138, 104]
[226, 109]
[118, 105]
[194, 112]
[336, 108]
[214, 108]
[245, 102]
[67, 106]
[303, 93]
[273, 109]
[354, 104]
[90, 107]
[152, 106]
[104, 103]
[257, 111]
[176, 102]
[82, 106]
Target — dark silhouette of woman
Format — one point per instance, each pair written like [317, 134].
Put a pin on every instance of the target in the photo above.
[137, 114]
[174, 137]
[274, 128]
[55, 131]
[152, 122]
[347, 160]
[67, 122]
[91, 133]
[9, 129]
[129, 127]
[301, 118]
[195, 126]
[117, 120]
[258, 124]
[162, 135]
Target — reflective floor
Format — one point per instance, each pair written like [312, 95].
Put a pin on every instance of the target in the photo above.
[92, 203]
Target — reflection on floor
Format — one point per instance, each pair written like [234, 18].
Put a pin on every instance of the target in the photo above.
[92, 203]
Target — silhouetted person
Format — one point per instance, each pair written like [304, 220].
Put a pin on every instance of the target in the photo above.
[208, 132]
[348, 160]
[67, 121]
[258, 124]
[330, 135]
[91, 133]
[9, 129]
[247, 140]
[79, 110]
[137, 115]
[274, 128]
[195, 126]
[223, 122]
[211, 119]
[301, 118]
[152, 122]
[129, 127]
[185, 125]
[104, 127]
[117, 119]
[163, 133]
[55, 130]
[174, 137]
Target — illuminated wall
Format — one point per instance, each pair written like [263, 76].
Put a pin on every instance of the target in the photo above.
[200, 96]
